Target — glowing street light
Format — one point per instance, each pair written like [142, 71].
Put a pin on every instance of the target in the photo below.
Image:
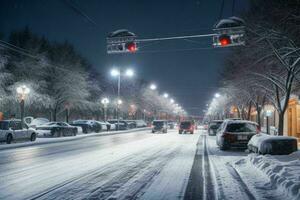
[115, 72]
[172, 100]
[22, 91]
[153, 86]
[119, 102]
[166, 95]
[129, 72]
[217, 95]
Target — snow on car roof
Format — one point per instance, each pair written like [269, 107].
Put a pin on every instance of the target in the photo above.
[239, 122]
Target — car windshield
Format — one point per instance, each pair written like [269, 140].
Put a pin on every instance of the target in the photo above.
[158, 123]
[3, 125]
[241, 127]
[215, 125]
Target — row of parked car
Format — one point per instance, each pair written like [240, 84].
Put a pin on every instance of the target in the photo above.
[11, 130]
[247, 134]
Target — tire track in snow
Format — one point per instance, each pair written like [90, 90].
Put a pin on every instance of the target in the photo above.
[151, 167]
[200, 185]
[239, 179]
[100, 176]
[103, 170]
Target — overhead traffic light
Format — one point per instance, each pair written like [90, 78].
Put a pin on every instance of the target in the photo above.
[224, 40]
[229, 32]
[121, 41]
[131, 47]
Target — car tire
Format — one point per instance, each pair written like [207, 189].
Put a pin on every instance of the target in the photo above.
[33, 137]
[74, 132]
[224, 147]
[180, 132]
[152, 131]
[9, 139]
[192, 132]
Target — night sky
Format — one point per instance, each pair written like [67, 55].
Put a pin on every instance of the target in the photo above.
[187, 70]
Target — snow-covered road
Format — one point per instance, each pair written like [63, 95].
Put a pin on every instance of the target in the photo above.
[139, 165]
[126, 166]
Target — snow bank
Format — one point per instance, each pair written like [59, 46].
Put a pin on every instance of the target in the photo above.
[267, 144]
[283, 175]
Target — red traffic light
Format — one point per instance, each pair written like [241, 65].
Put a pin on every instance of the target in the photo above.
[224, 40]
[131, 47]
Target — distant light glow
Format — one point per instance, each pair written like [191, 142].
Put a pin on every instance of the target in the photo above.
[172, 100]
[153, 87]
[119, 102]
[115, 72]
[105, 101]
[217, 95]
[129, 72]
[166, 95]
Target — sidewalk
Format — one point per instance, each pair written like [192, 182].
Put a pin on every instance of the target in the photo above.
[41, 141]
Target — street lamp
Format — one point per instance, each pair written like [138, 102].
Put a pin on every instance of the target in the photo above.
[217, 95]
[118, 73]
[153, 86]
[172, 100]
[22, 91]
[129, 72]
[166, 95]
[105, 102]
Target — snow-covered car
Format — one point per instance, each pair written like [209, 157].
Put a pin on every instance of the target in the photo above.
[88, 126]
[171, 124]
[103, 125]
[235, 133]
[110, 126]
[131, 124]
[56, 129]
[11, 130]
[214, 126]
[140, 123]
[274, 145]
[34, 122]
[159, 126]
[123, 125]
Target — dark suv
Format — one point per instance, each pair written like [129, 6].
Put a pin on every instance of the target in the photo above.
[235, 133]
[159, 126]
[186, 126]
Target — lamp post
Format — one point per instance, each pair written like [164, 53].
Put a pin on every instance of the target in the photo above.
[117, 73]
[105, 102]
[22, 91]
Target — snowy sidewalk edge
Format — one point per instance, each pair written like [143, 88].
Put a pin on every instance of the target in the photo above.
[283, 175]
[41, 141]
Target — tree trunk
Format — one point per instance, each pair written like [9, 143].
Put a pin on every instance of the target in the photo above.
[54, 114]
[258, 120]
[249, 111]
[280, 123]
